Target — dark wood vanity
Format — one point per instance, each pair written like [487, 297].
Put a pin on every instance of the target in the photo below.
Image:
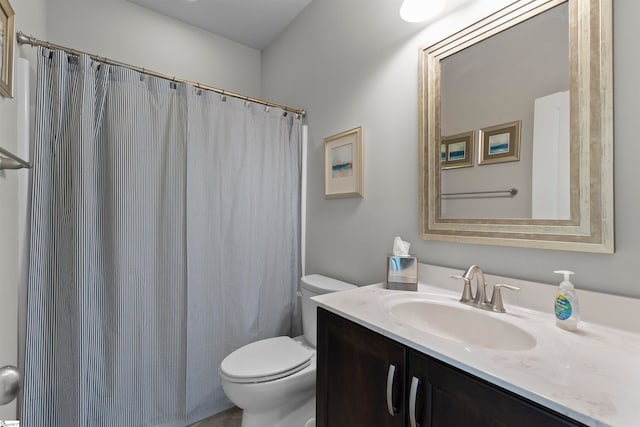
[366, 379]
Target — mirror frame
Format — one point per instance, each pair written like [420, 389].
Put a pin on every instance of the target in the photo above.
[590, 228]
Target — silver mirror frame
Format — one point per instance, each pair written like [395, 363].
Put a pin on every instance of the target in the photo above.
[591, 226]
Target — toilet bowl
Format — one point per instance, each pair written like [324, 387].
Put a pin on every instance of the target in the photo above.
[273, 380]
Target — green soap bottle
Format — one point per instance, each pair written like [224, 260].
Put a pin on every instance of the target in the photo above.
[566, 307]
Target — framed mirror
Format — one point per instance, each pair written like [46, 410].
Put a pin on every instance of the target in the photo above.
[530, 86]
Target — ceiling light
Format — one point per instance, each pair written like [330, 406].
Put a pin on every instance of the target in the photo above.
[420, 10]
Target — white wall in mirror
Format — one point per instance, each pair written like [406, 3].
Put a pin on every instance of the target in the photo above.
[550, 167]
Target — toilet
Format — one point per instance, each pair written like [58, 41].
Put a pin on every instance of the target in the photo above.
[273, 380]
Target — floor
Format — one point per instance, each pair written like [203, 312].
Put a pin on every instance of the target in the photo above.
[229, 418]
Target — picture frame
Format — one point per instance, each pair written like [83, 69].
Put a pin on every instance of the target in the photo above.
[6, 49]
[456, 151]
[343, 164]
[500, 143]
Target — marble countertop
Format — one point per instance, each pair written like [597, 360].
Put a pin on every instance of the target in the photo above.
[592, 375]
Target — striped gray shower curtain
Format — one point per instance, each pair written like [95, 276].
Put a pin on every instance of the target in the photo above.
[165, 233]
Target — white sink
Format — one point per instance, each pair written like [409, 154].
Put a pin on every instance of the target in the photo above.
[452, 320]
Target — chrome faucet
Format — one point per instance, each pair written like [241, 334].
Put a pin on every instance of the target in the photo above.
[481, 286]
[480, 298]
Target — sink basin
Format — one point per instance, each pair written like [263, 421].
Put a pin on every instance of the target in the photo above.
[452, 320]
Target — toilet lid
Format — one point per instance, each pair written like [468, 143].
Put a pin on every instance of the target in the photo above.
[265, 360]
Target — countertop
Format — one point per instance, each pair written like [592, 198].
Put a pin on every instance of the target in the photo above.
[592, 375]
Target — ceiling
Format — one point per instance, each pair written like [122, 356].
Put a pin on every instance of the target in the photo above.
[254, 23]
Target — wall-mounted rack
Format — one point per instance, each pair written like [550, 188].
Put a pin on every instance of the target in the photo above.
[11, 161]
[510, 192]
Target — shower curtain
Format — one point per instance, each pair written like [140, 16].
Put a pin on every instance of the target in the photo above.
[165, 234]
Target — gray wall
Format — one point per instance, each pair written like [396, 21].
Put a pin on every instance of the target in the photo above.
[130, 33]
[356, 63]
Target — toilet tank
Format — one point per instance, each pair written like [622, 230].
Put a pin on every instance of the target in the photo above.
[312, 285]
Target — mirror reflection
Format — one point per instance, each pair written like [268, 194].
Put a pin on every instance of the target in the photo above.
[504, 111]
[516, 129]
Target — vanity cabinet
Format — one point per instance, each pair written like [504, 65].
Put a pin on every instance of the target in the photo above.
[353, 365]
[363, 377]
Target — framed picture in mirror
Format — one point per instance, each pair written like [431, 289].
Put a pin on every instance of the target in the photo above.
[6, 49]
[499, 144]
[456, 151]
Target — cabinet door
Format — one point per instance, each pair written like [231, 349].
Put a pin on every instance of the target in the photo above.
[353, 368]
[447, 397]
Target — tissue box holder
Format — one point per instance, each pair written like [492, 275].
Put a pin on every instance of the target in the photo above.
[402, 273]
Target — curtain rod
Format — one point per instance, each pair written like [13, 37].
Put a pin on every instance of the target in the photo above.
[22, 38]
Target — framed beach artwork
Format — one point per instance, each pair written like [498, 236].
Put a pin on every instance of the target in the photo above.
[6, 49]
[456, 151]
[343, 168]
[499, 144]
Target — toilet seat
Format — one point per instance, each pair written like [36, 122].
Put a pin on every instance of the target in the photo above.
[265, 360]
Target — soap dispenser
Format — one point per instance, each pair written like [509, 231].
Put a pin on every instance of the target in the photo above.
[566, 307]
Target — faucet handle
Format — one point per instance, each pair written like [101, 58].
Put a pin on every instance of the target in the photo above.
[466, 291]
[496, 298]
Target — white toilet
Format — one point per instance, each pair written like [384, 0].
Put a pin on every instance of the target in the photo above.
[273, 381]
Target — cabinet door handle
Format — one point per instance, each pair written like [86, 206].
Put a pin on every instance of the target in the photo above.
[391, 374]
[413, 393]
